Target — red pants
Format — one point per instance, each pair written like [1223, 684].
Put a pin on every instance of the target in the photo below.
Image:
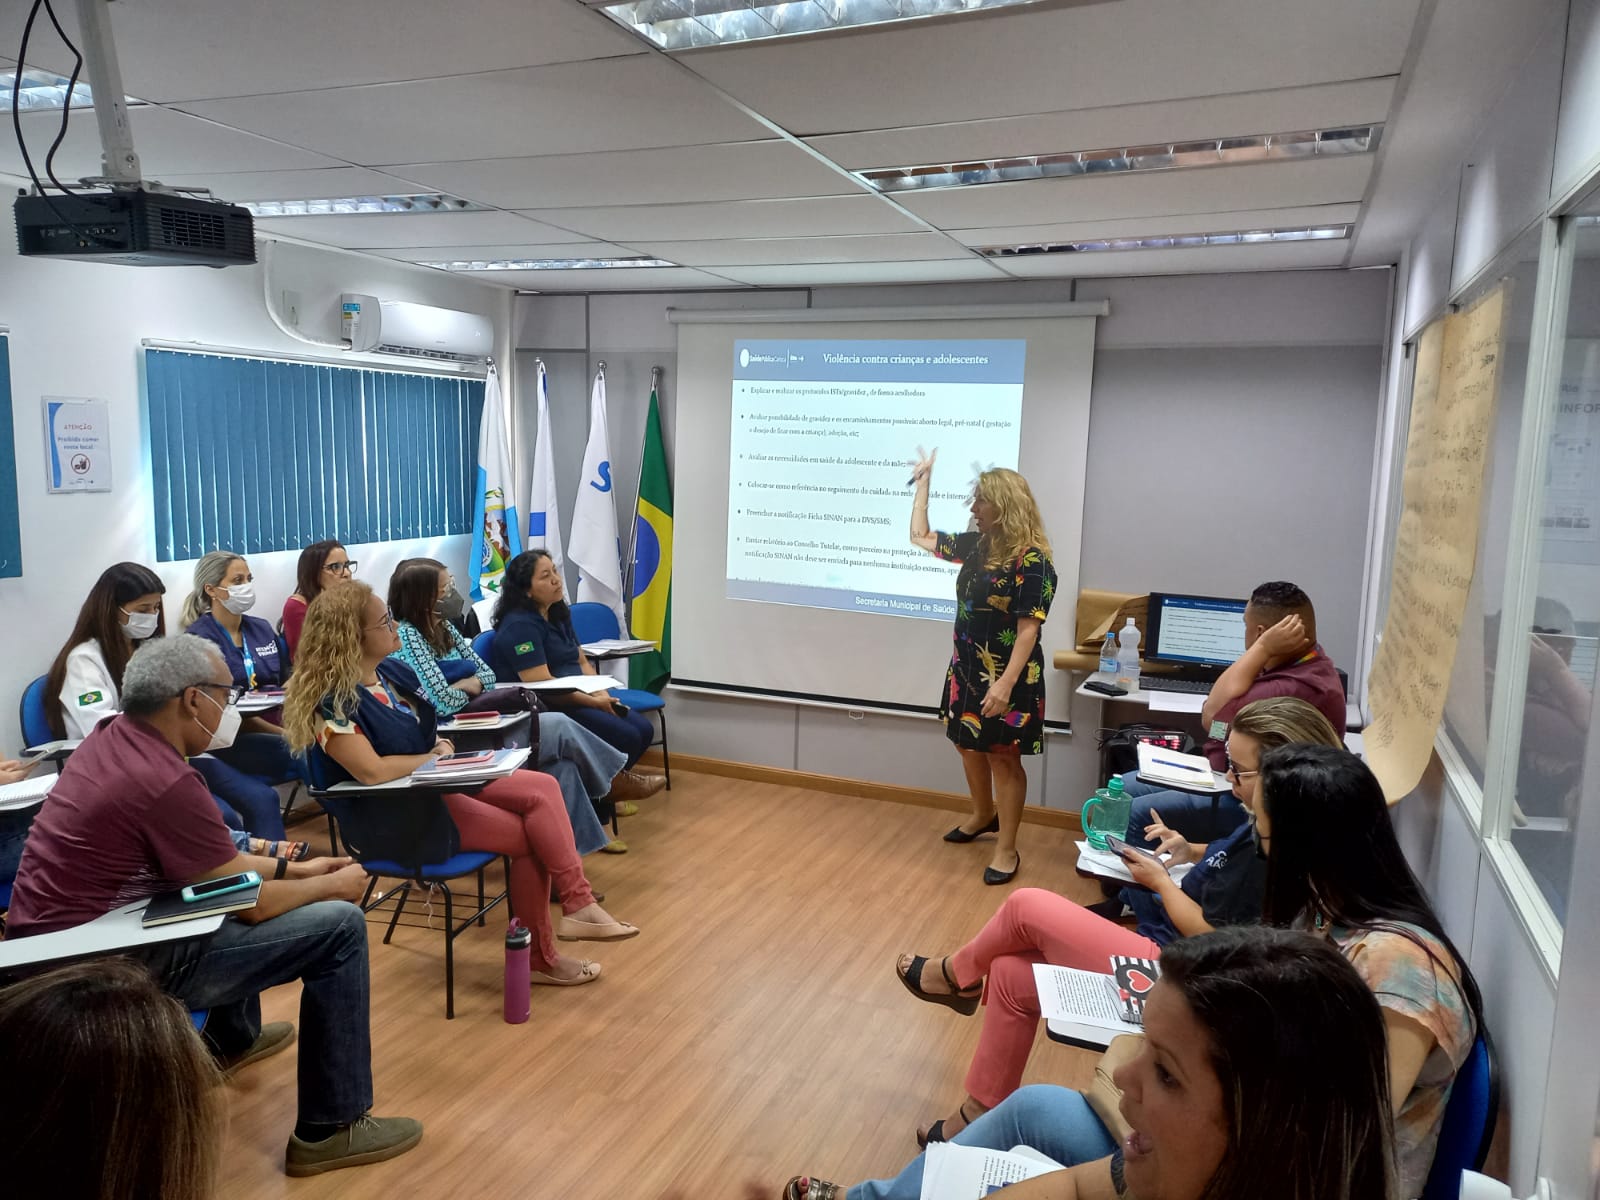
[1032, 926]
[523, 816]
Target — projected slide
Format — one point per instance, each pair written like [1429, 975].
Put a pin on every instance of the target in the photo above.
[822, 437]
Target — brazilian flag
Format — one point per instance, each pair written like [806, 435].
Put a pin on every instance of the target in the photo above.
[652, 560]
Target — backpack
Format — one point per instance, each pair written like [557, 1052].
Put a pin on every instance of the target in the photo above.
[1119, 754]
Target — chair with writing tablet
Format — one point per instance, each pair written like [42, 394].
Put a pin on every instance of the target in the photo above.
[597, 623]
[1468, 1124]
[34, 715]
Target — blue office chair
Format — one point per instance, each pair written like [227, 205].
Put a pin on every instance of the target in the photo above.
[457, 866]
[595, 622]
[481, 644]
[1468, 1124]
[35, 715]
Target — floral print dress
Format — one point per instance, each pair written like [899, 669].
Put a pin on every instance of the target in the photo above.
[988, 605]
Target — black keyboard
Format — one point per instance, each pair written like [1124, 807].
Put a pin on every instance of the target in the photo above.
[1160, 683]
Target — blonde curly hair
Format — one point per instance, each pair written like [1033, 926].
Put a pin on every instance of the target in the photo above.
[326, 663]
[1020, 526]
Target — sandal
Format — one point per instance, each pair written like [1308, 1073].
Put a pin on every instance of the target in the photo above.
[936, 1130]
[815, 1189]
[964, 1002]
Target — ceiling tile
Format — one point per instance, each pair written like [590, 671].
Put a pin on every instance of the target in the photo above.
[886, 247]
[955, 270]
[169, 143]
[1144, 194]
[504, 250]
[321, 184]
[1287, 256]
[611, 104]
[621, 279]
[1053, 60]
[832, 215]
[192, 49]
[1218, 222]
[361, 231]
[737, 171]
[1283, 111]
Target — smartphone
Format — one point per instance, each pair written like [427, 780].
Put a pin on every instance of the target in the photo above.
[1105, 689]
[220, 887]
[1120, 848]
[464, 758]
[620, 708]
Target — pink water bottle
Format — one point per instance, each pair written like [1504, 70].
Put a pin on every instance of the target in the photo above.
[519, 948]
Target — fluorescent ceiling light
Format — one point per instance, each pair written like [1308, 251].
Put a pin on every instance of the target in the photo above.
[547, 264]
[1176, 241]
[44, 91]
[1169, 156]
[685, 24]
[431, 202]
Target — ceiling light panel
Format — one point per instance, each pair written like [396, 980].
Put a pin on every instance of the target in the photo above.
[41, 91]
[1168, 156]
[688, 24]
[419, 205]
[1178, 241]
[546, 264]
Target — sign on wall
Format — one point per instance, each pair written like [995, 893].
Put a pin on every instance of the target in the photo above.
[77, 449]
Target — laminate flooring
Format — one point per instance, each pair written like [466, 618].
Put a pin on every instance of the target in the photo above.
[753, 1031]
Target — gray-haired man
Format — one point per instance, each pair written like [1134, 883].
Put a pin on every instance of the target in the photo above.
[130, 818]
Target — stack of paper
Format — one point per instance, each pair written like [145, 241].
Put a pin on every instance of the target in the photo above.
[610, 646]
[568, 683]
[502, 763]
[952, 1172]
[1082, 1004]
[1109, 865]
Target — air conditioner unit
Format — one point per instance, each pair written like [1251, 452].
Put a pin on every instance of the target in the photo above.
[417, 330]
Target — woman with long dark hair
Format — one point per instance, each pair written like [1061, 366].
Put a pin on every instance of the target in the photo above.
[322, 564]
[534, 640]
[1335, 868]
[1262, 1074]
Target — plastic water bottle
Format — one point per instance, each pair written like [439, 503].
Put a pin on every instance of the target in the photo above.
[1106, 812]
[519, 951]
[1128, 657]
[1108, 655]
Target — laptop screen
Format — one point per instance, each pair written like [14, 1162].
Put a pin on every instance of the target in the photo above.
[1200, 631]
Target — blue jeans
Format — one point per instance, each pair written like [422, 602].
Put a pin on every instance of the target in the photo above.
[14, 828]
[323, 945]
[266, 756]
[254, 801]
[1187, 812]
[234, 822]
[584, 765]
[631, 734]
[1055, 1121]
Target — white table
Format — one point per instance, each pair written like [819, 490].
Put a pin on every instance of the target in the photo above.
[1185, 701]
[114, 933]
[407, 783]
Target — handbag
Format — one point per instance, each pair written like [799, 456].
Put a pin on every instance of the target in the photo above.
[1103, 1095]
[511, 700]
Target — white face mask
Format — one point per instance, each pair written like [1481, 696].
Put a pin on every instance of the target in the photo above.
[227, 728]
[139, 626]
[240, 599]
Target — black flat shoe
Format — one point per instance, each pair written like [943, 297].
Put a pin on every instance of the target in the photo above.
[994, 878]
[964, 1002]
[961, 837]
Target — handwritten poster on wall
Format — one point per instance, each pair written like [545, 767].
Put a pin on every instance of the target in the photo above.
[1452, 411]
[77, 445]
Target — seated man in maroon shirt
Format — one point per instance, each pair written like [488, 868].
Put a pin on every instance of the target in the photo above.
[130, 818]
[1281, 658]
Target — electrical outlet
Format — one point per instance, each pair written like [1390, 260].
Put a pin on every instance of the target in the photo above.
[291, 308]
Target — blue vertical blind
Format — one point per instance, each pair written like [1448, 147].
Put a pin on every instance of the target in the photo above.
[10, 525]
[256, 454]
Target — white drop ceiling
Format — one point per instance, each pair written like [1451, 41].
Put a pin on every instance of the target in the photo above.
[734, 163]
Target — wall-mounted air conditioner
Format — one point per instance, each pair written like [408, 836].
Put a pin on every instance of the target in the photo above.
[419, 330]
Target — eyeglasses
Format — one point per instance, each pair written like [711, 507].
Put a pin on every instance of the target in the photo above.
[344, 568]
[233, 692]
[1241, 776]
[388, 620]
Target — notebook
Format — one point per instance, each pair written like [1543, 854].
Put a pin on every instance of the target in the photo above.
[25, 793]
[1168, 768]
[170, 907]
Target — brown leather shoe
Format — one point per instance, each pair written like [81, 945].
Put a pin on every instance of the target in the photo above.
[635, 785]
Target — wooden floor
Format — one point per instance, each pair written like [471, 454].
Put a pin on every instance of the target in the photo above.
[752, 1032]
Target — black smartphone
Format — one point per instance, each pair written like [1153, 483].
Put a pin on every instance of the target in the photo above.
[1121, 848]
[1105, 689]
[620, 708]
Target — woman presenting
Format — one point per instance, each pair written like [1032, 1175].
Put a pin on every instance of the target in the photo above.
[993, 702]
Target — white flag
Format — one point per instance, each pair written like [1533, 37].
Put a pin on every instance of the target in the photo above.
[496, 532]
[595, 548]
[544, 510]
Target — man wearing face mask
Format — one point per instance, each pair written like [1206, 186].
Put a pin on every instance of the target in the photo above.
[130, 818]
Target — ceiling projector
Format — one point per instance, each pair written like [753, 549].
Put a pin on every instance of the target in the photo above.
[137, 228]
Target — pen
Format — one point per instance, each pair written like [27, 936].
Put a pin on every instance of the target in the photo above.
[1167, 762]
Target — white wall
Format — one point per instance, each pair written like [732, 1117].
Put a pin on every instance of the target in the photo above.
[76, 330]
[1260, 358]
